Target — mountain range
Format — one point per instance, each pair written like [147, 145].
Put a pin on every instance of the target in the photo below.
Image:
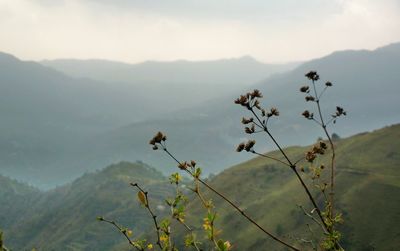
[365, 83]
[57, 126]
[50, 119]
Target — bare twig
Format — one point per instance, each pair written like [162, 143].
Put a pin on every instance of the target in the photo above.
[124, 232]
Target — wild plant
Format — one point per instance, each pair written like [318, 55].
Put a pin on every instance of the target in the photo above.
[308, 173]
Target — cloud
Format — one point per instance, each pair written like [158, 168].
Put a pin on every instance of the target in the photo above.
[135, 30]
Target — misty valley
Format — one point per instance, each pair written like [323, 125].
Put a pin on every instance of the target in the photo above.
[77, 171]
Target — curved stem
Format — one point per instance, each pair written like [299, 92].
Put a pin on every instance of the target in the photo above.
[234, 205]
[124, 232]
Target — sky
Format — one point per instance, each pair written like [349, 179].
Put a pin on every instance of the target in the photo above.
[165, 30]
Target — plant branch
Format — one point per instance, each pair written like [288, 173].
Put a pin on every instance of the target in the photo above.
[269, 157]
[312, 217]
[293, 167]
[233, 205]
[332, 185]
[153, 216]
[124, 232]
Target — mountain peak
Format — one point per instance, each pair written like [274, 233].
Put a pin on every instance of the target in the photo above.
[7, 57]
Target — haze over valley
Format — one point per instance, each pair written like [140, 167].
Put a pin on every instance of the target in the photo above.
[199, 125]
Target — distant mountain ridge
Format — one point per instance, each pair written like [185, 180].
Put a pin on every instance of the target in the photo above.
[234, 73]
[56, 127]
[50, 119]
[365, 83]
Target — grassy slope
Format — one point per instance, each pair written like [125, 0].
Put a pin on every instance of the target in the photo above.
[65, 218]
[15, 199]
[368, 188]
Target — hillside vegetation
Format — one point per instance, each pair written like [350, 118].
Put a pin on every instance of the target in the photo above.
[368, 188]
[368, 185]
[65, 218]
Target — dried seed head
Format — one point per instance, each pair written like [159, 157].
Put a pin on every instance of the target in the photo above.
[310, 156]
[240, 147]
[312, 75]
[158, 137]
[249, 145]
[310, 98]
[340, 111]
[328, 84]
[257, 105]
[246, 121]
[274, 111]
[305, 89]
[242, 100]
[157, 140]
[318, 150]
[183, 165]
[256, 94]
[250, 130]
[307, 114]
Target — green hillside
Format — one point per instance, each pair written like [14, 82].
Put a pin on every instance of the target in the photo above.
[368, 188]
[65, 218]
[15, 200]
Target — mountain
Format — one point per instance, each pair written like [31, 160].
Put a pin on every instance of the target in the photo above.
[367, 194]
[56, 127]
[15, 200]
[367, 188]
[365, 83]
[48, 118]
[179, 79]
[65, 217]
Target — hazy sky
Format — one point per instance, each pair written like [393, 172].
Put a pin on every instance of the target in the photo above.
[138, 30]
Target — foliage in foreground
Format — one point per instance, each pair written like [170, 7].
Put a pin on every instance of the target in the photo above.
[324, 216]
[367, 181]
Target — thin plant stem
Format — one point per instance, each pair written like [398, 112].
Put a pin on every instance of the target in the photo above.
[293, 167]
[312, 217]
[124, 232]
[153, 216]
[332, 185]
[233, 205]
[269, 157]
